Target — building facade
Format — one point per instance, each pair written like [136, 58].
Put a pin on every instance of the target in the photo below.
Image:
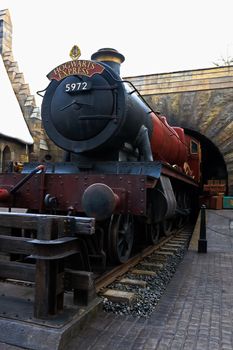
[18, 148]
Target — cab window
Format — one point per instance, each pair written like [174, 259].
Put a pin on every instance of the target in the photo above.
[194, 147]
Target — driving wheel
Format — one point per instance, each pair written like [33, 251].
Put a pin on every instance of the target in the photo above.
[154, 231]
[167, 227]
[120, 238]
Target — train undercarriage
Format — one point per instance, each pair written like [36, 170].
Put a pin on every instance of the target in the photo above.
[132, 204]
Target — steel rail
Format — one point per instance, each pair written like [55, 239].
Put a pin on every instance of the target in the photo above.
[107, 278]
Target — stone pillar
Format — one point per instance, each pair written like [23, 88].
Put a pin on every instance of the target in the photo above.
[5, 31]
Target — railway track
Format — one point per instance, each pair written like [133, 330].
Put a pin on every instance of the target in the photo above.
[136, 287]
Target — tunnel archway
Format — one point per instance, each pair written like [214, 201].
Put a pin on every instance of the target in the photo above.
[213, 166]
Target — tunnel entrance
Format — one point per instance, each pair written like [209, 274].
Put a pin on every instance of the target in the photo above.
[213, 166]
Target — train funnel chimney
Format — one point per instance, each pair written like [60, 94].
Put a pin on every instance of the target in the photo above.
[109, 56]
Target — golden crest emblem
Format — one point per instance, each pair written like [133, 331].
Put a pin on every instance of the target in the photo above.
[75, 52]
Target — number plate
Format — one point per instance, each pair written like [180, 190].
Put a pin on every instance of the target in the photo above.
[77, 87]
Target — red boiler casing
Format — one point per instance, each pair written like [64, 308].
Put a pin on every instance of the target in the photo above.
[168, 143]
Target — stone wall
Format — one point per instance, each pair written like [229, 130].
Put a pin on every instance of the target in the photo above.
[11, 150]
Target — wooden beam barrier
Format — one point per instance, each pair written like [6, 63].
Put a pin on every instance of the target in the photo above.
[17, 271]
[57, 237]
[73, 225]
[15, 245]
[82, 282]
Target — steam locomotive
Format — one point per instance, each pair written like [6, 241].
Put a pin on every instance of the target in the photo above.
[124, 164]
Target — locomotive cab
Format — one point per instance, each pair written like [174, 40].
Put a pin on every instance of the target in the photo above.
[193, 165]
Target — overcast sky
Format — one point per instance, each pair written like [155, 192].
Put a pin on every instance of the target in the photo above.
[155, 36]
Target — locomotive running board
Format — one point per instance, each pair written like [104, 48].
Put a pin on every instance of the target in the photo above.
[176, 174]
[152, 169]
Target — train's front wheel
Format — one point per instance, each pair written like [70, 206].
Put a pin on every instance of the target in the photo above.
[167, 227]
[154, 232]
[120, 238]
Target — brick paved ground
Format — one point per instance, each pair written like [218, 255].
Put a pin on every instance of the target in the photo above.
[196, 312]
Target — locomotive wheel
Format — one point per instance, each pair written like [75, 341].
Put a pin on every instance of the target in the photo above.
[183, 203]
[187, 204]
[167, 227]
[120, 238]
[186, 201]
[180, 221]
[154, 231]
[179, 200]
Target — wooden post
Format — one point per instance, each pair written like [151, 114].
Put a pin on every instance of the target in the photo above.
[49, 286]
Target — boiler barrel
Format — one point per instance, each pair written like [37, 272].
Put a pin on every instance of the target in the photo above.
[167, 143]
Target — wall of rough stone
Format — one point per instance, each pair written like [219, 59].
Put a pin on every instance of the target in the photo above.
[17, 152]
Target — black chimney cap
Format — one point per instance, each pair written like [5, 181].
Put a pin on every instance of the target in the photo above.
[108, 54]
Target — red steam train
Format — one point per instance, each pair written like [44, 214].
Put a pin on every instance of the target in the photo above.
[124, 165]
